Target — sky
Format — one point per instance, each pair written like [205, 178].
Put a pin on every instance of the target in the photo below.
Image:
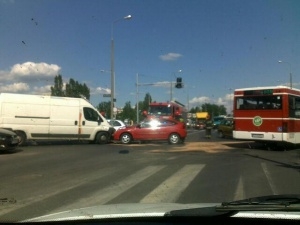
[215, 46]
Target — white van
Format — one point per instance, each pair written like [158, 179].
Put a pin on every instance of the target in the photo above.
[38, 117]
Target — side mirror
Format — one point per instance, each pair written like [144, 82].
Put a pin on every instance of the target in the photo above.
[138, 126]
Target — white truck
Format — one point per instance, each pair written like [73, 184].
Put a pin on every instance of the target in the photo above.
[40, 117]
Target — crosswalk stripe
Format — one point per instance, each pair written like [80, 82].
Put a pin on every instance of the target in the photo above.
[104, 195]
[170, 189]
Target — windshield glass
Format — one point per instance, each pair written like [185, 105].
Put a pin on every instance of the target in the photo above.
[82, 80]
[160, 110]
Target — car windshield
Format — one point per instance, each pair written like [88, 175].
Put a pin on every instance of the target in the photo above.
[82, 82]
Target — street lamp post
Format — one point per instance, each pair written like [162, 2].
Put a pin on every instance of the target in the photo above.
[112, 70]
[291, 78]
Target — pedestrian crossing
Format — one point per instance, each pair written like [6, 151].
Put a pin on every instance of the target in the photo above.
[174, 181]
[171, 188]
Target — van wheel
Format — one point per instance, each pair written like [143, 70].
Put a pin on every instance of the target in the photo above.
[101, 138]
[22, 137]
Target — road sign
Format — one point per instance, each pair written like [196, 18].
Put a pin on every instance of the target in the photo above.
[106, 95]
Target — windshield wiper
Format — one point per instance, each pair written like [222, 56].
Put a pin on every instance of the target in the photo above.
[272, 202]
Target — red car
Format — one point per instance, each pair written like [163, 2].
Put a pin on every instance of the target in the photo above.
[153, 130]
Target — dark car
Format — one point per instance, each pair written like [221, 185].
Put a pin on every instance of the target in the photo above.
[217, 120]
[226, 127]
[200, 125]
[8, 139]
[153, 130]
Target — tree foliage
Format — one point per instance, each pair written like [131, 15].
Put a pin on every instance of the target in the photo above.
[72, 89]
[127, 113]
[57, 89]
[212, 109]
[104, 108]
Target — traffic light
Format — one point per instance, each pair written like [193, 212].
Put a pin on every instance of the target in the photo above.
[179, 82]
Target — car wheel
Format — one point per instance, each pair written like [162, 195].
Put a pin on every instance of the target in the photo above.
[174, 139]
[101, 138]
[22, 137]
[126, 138]
[220, 134]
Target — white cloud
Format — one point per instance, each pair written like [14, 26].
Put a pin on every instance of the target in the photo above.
[101, 90]
[16, 87]
[31, 71]
[29, 77]
[199, 100]
[44, 90]
[170, 56]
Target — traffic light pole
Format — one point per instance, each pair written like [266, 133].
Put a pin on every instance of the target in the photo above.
[171, 90]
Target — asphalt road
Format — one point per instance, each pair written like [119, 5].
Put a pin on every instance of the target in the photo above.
[46, 178]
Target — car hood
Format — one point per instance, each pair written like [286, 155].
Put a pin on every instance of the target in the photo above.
[118, 211]
[139, 210]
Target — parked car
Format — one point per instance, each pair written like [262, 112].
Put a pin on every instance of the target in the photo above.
[153, 130]
[116, 123]
[199, 125]
[8, 139]
[217, 120]
[226, 127]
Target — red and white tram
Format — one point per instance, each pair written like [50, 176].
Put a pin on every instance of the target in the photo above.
[268, 114]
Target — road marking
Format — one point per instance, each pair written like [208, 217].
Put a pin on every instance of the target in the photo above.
[63, 188]
[269, 178]
[171, 189]
[239, 193]
[104, 195]
[172, 158]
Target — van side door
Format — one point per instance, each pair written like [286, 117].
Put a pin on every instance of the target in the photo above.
[89, 121]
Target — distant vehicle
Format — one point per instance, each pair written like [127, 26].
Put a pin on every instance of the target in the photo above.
[217, 120]
[8, 139]
[153, 130]
[199, 125]
[166, 110]
[39, 117]
[226, 127]
[201, 118]
[116, 123]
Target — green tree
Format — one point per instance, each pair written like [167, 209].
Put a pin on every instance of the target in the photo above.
[127, 113]
[195, 109]
[212, 109]
[57, 89]
[73, 88]
[143, 106]
[147, 101]
[104, 108]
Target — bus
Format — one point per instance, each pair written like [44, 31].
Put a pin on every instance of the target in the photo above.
[267, 114]
[167, 110]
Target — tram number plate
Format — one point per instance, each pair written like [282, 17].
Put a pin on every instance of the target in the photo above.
[257, 135]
